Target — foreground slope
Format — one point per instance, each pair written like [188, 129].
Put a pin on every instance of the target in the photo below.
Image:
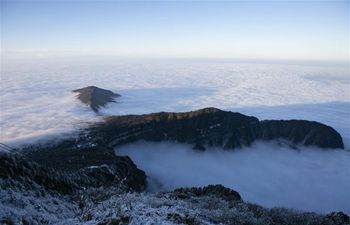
[27, 197]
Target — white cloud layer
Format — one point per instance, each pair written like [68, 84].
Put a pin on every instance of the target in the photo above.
[36, 98]
[265, 173]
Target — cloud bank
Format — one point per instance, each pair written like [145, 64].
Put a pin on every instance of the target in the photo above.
[36, 98]
[266, 173]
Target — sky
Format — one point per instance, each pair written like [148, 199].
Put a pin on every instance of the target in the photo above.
[299, 30]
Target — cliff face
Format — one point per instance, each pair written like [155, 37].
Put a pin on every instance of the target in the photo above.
[212, 127]
[301, 132]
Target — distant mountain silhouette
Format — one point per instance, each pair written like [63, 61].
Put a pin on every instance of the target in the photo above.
[95, 97]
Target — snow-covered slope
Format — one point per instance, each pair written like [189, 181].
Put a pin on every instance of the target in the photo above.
[208, 205]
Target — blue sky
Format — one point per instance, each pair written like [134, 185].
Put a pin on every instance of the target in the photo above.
[313, 30]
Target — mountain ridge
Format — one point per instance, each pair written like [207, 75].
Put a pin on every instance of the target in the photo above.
[212, 127]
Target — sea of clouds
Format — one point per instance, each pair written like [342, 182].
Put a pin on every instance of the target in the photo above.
[271, 175]
[36, 103]
[36, 98]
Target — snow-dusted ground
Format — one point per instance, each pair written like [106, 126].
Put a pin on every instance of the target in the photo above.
[163, 208]
[41, 207]
[36, 103]
[22, 205]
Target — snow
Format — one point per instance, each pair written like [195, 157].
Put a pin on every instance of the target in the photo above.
[36, 206]
[165, 208]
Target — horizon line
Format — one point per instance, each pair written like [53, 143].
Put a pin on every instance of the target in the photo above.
[69, 52]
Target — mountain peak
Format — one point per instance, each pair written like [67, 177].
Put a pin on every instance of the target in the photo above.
[95, 97]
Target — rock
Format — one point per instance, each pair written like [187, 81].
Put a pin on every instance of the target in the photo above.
[301, 132]
[217, 191]
[95, 97]
[339, 218]
[211, 127]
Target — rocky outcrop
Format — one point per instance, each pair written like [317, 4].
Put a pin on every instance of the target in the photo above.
[217, 191]
[339, 218]
[211, 127]
[301, 132]
[95, 97]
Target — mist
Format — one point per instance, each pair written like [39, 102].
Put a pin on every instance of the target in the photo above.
[265, 173]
